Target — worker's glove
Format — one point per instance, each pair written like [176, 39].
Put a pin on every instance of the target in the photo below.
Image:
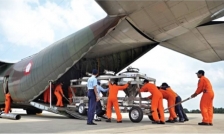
[193, 95]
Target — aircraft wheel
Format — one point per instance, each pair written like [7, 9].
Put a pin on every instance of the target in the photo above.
[82, 109]
[136, 114]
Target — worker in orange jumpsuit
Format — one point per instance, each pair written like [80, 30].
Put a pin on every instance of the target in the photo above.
[7, 103]
[206, 103]
[170, 96]
[47, 94]
[70, 93]
[59, 93]
[156, 103]
[112, 100]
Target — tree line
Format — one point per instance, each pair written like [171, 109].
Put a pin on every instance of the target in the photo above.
[215, 110]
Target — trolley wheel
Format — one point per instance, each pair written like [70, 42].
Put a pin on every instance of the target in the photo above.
[82, 109]
[136, 114]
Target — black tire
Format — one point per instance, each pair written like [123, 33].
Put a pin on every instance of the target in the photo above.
[81, 109]
[33, 111]
[135, 114]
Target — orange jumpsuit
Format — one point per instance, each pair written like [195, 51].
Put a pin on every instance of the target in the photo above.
[157, 101]
[70, 94]
[58, 92]
[112, 100]
[170, 96]
[47, 94]
[206, 103]
[7, 102]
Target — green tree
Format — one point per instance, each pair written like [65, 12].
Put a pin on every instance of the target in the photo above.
[215, 110]
[186, 110]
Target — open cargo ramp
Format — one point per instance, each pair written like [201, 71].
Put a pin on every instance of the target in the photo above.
[58, 110]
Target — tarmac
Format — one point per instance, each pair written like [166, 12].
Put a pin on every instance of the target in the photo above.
[53, 123]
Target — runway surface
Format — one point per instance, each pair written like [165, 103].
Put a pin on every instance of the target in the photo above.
[52, 123]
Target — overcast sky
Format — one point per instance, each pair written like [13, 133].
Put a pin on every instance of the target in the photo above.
[28, 26]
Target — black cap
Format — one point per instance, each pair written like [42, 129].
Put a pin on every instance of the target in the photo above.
[164, 84]
[145, 81]
[200, 72]
[94, 71]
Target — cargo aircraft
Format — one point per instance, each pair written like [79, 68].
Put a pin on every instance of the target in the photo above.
[130, 29]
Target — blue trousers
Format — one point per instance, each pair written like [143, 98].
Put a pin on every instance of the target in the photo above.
[98, 107]
[184, 114]
[99, 111]
[178, 108]
[91, 105]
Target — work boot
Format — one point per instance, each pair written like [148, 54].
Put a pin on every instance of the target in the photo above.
[170, 121]
[119, 121]
[104, 116]
[175, 120]
[186, 119]
[161, 122]
[155, 122]
[91, 123]
[108, 120]
[203, 123]
[98, 119]
[181, 120]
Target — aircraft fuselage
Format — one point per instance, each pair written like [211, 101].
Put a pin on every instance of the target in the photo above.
[29, 77]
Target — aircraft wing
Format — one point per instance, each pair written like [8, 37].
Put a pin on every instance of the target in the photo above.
[119, 47]
[205, 42]
[122, 38]
[183, 26]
